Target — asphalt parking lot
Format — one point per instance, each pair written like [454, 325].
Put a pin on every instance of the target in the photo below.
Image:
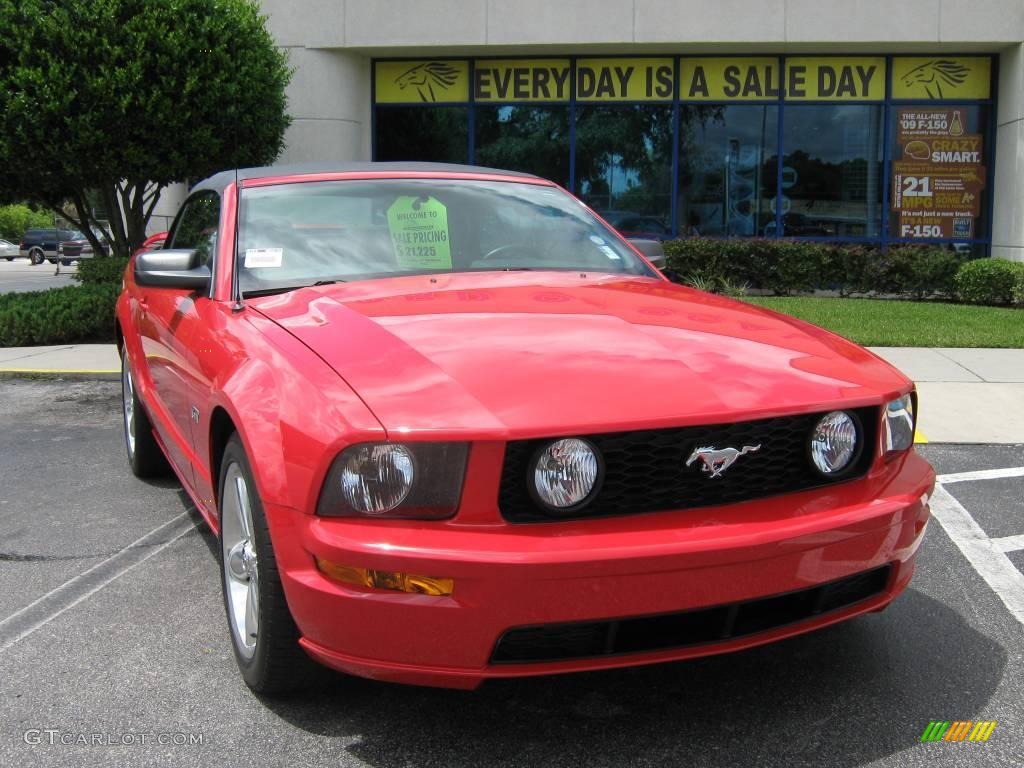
[111, 623]
[22, 275]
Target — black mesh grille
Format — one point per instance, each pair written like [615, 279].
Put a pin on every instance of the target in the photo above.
[645, 471]
[558, 642]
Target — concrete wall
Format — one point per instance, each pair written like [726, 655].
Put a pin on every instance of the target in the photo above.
[331, 42]
[381, 24]
[1008, 218]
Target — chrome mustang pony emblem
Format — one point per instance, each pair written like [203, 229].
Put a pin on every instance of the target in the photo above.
[717, 460]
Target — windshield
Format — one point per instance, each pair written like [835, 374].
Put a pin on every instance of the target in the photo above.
[293, 235]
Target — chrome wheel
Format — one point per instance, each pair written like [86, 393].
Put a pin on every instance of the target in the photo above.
[241, 567]
[128, 402]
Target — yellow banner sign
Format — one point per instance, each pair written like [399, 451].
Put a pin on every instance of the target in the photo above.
[521, 80]
[435, 82]
[753, 78]
[835, 79]
[729, 79]
[625, 79]
[941, 77]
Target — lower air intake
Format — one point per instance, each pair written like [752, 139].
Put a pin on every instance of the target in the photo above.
[579, 640]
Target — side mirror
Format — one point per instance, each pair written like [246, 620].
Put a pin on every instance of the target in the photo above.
[173, 268]
[652, 249]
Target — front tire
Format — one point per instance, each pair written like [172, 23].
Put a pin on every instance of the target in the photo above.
[263, 633]
[144, 454]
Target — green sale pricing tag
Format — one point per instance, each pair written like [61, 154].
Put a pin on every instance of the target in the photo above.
[419, 233]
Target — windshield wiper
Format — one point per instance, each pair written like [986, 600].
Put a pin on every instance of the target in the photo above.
[285, 289]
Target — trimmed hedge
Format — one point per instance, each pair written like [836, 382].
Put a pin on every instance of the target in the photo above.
[63, 315]
[1018, 289]
[106, 270]
[989, 281]
[59, 315]
[792, 266]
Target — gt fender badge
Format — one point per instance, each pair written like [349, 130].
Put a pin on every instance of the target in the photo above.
[717, 460]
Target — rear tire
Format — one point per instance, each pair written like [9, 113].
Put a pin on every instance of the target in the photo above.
[144, 454]
[263, 633]
[36, 256]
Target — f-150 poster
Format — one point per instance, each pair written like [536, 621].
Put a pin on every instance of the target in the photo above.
[938, 174]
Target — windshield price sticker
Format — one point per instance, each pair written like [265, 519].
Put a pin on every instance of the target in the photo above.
[260, 258]
[419, 233]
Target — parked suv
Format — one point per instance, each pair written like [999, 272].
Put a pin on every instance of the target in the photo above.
[40, 245]
[78, 248]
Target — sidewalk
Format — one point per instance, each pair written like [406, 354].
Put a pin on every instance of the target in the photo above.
[79, 361]
[966, 395]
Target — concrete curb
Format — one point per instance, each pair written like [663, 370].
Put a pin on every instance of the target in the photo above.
[80, 362]
[35, 374]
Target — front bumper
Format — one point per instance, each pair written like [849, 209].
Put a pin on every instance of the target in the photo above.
[509, 576]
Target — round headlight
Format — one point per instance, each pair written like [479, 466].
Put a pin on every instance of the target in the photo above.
[834, 442]
[377, 478]
[565, 473]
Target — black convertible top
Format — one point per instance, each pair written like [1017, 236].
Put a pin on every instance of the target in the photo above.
[219, 181]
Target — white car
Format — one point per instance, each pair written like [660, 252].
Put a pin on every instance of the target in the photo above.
[8, 250]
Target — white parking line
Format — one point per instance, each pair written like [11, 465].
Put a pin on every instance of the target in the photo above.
[1009, 543]
[980, 474]
[988, 560]
[45, 609]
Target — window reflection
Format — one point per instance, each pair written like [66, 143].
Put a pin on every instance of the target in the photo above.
[832, 171]
[435, 135]
[528, 139]
[624, 166]
[727, 170]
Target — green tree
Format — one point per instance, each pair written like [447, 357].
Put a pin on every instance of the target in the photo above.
[116, 99]
[16, 218]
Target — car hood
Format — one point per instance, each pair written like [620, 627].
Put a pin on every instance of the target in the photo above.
[540, 353]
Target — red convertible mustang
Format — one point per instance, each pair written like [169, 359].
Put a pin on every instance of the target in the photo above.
[449, 426]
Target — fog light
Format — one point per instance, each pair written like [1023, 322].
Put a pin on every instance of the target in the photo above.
[565, 474]
[393, 580]
[834, 442]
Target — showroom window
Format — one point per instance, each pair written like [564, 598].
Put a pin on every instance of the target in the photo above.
[524, 138]
[832, 172]
[438, 135]
[852, 148]
[624, 165]
[727, 170]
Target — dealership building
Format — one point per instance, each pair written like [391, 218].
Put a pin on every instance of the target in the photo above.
[866, 122]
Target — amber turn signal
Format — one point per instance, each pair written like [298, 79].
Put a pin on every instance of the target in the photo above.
[394, 580]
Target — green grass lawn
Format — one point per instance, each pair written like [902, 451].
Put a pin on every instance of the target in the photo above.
[889, 323]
